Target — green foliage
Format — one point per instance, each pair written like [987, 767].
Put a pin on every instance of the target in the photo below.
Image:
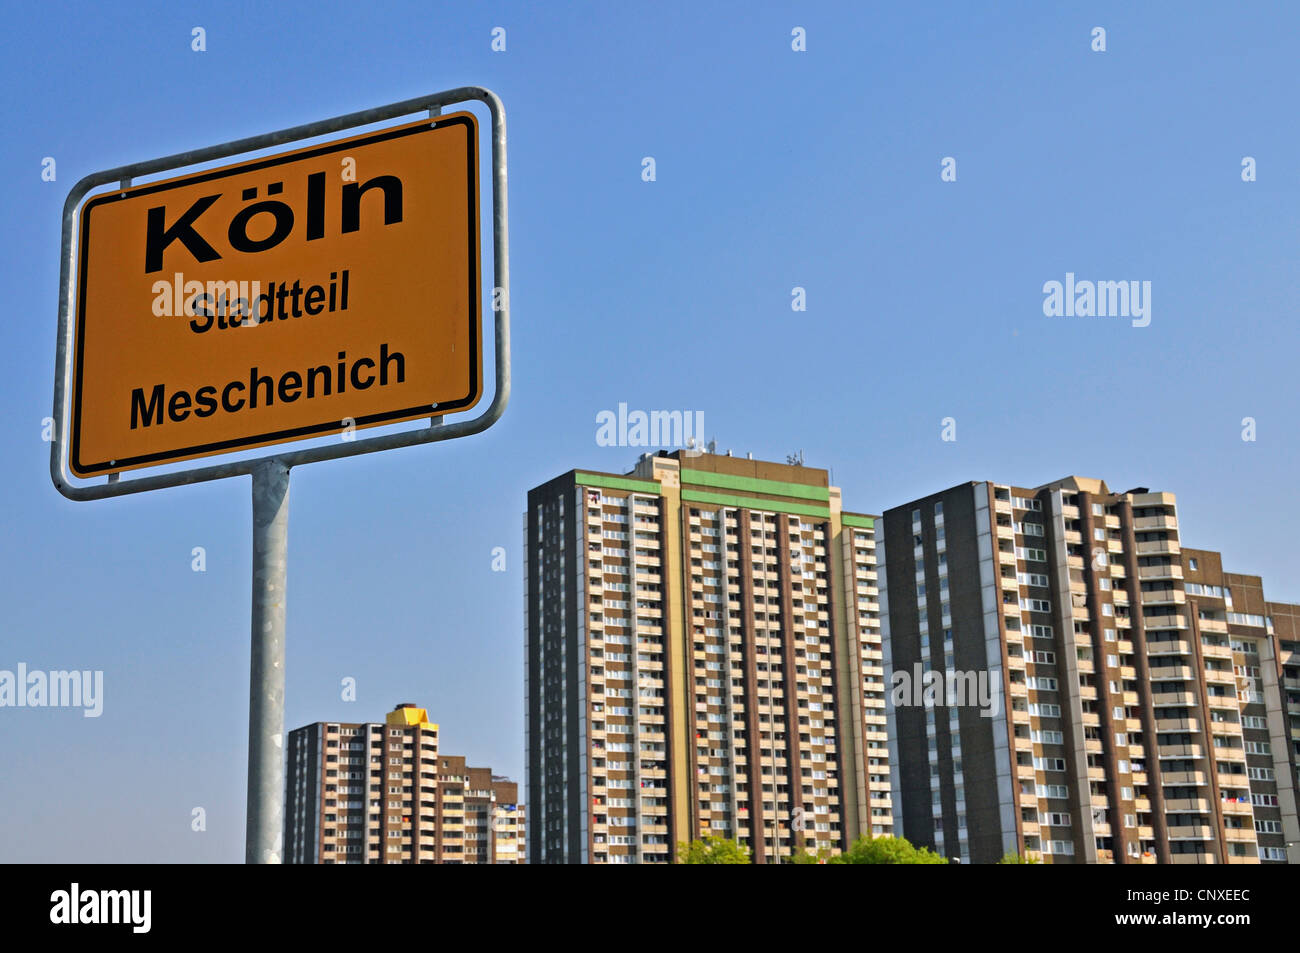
[801, 856]
[1011, 857]
[887, 850]
[712, 850]
[866, 850]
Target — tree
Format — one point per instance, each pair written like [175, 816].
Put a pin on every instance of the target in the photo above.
[712, 850]
[887, 850]
[802, 856]
[1011, 857]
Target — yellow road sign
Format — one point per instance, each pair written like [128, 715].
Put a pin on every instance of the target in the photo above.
[290, 296]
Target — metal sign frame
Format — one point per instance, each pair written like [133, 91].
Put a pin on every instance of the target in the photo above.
[438, 428]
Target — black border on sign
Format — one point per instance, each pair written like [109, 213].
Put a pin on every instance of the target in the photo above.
[298, 433]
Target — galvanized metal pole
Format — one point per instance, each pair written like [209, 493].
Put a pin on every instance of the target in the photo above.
[265, 832]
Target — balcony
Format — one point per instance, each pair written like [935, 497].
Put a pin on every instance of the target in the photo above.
[1177, 724]
[1173, 699]
[1191, 832]
[1198, 805]
[1166, 597]
[1171, 673]
[1175, 620]
[1184, 778]
[1172, 571]
[1158, 547]
[1181, 751]
[1226, 753]
[1198, 858]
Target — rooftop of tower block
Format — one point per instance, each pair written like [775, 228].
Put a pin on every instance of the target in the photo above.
[725, 464]
[407, 714]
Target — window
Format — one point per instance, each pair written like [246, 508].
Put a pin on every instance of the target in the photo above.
[1191, 564]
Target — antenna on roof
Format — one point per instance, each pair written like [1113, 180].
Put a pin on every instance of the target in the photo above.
[794, 459]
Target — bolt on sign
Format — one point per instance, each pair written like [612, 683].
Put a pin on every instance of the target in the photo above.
[284, 297]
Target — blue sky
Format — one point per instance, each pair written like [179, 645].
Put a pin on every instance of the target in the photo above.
[775, 169]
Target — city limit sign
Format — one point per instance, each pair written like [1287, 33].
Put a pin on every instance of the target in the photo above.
[289, 296]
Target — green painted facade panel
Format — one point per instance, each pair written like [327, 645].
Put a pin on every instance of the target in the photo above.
[617, 483]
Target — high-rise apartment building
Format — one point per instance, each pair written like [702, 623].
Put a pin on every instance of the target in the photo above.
[381, 793]
[1108, 696]
[703, 657]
